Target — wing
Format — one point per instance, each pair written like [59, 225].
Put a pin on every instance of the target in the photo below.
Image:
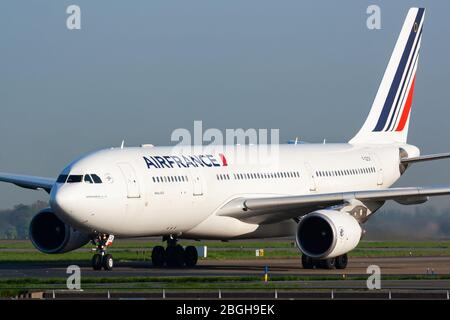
[29, 182]
[279, 208]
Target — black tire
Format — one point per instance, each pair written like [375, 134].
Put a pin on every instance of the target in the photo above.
[307, 262]
[328, 263]
[179, 256]
[341, 262]
[158, 256]
[108, 262]
[190, 256]
[96, 262]
[174, 256]
[169, 256]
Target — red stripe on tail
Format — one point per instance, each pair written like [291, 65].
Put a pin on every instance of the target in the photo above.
[407, 109]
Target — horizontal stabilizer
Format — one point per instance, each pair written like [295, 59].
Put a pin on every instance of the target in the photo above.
[427, 157]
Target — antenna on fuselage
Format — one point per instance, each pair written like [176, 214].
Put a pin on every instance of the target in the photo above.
[122, 144]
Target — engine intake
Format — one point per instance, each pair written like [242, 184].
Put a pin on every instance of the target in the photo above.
[327, 234]
[49, 234]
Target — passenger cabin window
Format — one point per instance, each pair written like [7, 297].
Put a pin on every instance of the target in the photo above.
[74, 178]
[88, 179]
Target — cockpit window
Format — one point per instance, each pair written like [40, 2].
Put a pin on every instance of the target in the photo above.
[96, 178]
[73, 178]
[62, 178]
[88, 179]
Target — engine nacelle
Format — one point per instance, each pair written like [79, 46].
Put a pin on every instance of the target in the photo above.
[51, 235]
[327, 234]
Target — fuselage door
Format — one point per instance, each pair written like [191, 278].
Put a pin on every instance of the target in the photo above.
[133, 190]
[197, 183]
[379, 169]
[311, 177]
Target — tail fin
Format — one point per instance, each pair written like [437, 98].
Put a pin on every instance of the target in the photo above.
[388, 119]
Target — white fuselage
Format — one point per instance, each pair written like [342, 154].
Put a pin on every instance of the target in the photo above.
[152, 191]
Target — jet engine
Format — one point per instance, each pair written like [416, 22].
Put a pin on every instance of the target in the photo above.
[327, 234]
[49, 234]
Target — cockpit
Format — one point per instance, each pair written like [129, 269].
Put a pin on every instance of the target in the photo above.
[76, 178]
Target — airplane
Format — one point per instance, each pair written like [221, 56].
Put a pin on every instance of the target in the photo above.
[321, 194]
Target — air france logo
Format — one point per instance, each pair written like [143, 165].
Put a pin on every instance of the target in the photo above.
[193, 161]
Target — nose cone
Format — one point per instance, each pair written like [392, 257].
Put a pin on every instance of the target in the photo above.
[66, 204]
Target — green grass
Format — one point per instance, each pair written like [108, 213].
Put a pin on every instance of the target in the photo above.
[69, 257]
[232, 254]
[139, 250]
[137, 244]
[209, 279]
[158, 283]
[141, 243]
[286, 244]
[404, 244]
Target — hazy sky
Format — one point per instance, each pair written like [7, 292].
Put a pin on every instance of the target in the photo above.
[137, 70]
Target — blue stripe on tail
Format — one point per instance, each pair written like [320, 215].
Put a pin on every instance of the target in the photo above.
[403, 88]
[398, 75]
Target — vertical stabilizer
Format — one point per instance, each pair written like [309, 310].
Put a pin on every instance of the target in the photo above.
[388, 119]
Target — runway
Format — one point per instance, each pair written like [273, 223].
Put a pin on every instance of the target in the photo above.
[254, 267]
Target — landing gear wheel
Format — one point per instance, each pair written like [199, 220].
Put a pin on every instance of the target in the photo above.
[100, 258]
[169, 256]
[328, 263]
[175, 256]
[307, 262]
[179, 255]
[190, 256]
[341, 262]
[158, 254]
[96, 261]
[108, 262]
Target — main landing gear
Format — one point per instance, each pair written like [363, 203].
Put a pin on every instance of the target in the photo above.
[101, 259]
[339, 262]
[174, 255]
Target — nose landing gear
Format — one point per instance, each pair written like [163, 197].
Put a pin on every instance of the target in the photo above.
[174, 255]
[100, 259]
